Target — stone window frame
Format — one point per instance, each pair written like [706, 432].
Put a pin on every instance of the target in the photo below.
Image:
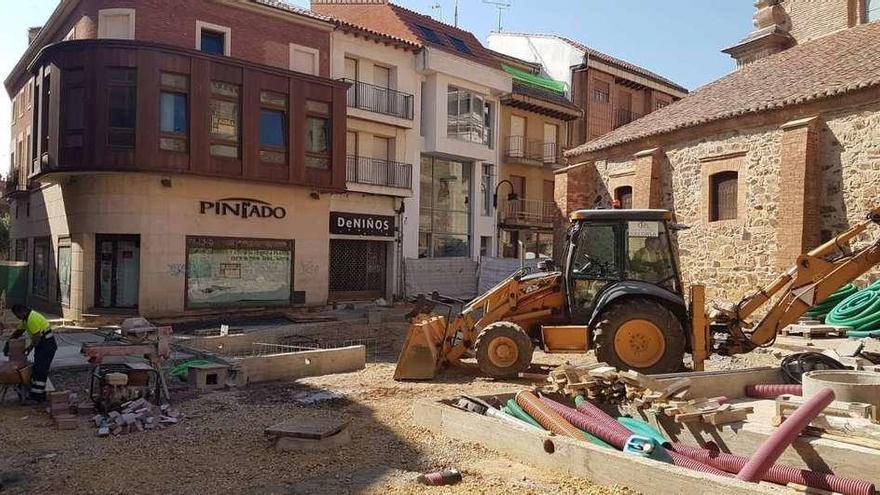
[621, 178]
[107, 13]
[314, 52]
[217, 28]
[715, 164]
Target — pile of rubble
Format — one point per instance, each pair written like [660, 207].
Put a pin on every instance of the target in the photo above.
[637, 394]
[135, 416]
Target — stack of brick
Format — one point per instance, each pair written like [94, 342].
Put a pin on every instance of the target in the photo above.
[62, 410]
[135, 416]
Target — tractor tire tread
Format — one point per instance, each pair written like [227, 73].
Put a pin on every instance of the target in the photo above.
[507, 329]
[618, 313]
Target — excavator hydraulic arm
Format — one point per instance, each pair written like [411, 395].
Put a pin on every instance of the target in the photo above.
[434, 341]
[813, 278]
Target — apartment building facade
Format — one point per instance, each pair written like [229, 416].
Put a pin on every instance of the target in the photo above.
[610, 91]
[762, 164]
[174, 157]
[533, 129]
[457, 114]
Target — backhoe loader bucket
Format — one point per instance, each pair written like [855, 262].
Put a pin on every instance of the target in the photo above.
[420, 356]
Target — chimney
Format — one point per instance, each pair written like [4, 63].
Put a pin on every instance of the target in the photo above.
[32, 33]
[771, 34]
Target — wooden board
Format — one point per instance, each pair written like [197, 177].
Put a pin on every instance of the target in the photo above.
[569, 456]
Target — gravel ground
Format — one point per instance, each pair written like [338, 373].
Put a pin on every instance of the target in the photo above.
[220, 447]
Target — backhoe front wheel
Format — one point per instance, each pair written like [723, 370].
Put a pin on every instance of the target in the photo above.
[641, 335]
[503, 350]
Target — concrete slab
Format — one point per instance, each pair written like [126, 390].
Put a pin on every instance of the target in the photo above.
[314, 428]
[294, 365]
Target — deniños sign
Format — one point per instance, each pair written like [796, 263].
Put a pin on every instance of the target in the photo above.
[359, 224]
[242, 207]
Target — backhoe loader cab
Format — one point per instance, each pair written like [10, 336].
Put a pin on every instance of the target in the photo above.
[622, 281]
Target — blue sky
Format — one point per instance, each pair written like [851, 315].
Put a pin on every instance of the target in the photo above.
[680, 39]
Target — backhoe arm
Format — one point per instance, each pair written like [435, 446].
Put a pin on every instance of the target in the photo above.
[810, 281]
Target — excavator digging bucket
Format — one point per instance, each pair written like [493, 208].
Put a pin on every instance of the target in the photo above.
[420, 356]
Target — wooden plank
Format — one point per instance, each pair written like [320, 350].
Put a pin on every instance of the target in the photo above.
[730, 384]
[569, 456]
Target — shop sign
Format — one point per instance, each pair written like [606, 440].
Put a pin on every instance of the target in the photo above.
[242, 208]
[360, 224]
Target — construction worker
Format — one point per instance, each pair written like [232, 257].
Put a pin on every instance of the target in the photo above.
[43, 344]
[649, 263]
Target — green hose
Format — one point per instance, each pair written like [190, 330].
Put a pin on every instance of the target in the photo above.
[874, 286]
[861, 311]
[822, 309]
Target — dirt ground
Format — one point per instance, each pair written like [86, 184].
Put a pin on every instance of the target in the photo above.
[220, 447]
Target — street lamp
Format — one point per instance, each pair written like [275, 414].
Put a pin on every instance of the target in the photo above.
[510, 197]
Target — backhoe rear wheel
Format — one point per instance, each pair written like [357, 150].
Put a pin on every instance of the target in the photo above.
[503, 350]
[641, 335]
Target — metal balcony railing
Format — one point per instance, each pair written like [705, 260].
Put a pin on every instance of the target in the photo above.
[528, 211]
[623, 116]
[518, 149]
[380, 100]
[376, 172]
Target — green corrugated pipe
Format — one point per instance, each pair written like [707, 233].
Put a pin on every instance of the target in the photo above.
[822, 309]
[181, 370]
[861, 311]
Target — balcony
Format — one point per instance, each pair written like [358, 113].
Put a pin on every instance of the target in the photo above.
[528, 212]
[623, 116]
[379, 100]
[12, 184]
[518, 149]
[376, 172]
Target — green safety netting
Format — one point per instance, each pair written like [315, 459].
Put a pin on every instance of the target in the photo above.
[541, 82]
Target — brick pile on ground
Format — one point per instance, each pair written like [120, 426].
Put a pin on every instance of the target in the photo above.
[136, 416]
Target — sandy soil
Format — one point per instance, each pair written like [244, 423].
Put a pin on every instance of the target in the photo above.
[221, 448]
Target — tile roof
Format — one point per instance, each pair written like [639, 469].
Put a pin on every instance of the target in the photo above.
[399, 22]
[823, 68]
[283, 5]
[608, 59]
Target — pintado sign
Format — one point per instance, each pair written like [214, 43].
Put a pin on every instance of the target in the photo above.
[242, 208]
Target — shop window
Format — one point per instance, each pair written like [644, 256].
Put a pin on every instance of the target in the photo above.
[624, 197]
[469, 116]
[444, 208]
[64, 260]
[872, 10]
[318, 135]
[723, 196]
[304, 59]
[174, 112]
[73, 108]
[487, 185]
[213, 39]
[252, 272]
[116, 24]
[40, 272]
[122, 96]
[225, 113]
[273, 127]
[601, 91]
[21, 245]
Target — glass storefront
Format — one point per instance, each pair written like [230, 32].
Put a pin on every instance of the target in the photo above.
[444, 208]
[536, 244]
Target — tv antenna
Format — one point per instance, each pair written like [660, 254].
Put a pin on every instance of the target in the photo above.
[501, 6]
[437, 10]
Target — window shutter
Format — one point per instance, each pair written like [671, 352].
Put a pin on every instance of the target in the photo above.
[724, 196]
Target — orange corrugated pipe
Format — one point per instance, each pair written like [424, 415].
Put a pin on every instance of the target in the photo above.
[548, 418]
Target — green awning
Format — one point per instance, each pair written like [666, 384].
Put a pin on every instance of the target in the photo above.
[541, 82]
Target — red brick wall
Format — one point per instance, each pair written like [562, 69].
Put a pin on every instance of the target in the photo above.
[811, 19]
[800, 223]
[646, 186]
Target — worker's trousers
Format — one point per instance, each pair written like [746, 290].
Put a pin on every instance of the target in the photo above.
[44, 353]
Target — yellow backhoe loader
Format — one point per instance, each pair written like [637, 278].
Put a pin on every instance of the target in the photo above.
[620, 293]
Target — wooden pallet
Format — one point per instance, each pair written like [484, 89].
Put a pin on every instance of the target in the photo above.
[810, 331]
